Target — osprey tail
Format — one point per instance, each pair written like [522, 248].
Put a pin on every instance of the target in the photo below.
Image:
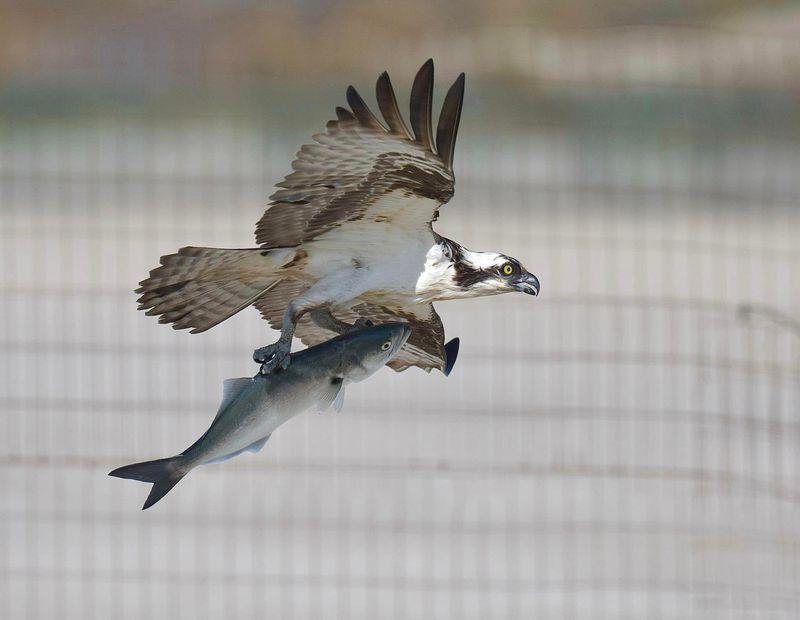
[198, 288]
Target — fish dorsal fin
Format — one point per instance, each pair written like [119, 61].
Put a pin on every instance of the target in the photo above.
[333, 395]
[231, 388]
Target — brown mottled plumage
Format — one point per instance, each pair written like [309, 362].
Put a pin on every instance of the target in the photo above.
[347, 235]
[357, 160]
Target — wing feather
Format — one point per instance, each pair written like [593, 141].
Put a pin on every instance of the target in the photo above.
[424, 349]
[357, 160]
[449, 118]
[273, 304]
[387, 102]
[421, 102]
[360, 110]
[344, 116]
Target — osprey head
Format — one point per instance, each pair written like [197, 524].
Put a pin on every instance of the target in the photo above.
[489, 273]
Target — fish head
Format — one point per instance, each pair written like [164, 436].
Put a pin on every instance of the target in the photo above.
[368, 349]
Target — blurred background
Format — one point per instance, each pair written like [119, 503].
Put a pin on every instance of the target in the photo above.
[623, 446]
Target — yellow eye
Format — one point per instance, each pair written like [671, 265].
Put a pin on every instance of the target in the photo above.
[385, 346]
[508, 269]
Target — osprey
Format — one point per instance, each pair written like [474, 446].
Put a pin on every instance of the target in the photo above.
[348, 239]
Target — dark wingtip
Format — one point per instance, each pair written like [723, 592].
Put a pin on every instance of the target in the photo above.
[360, 108]
[387, 103]
[449, 119]
[343, 115]
[451, 353]
[421, 101]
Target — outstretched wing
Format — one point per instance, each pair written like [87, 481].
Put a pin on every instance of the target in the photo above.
[425, 347]
[361, 169]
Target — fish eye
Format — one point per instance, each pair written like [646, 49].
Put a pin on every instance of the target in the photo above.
[385, 346]
[507, 269]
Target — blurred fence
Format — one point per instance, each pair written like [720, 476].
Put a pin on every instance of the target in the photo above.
[624, 446]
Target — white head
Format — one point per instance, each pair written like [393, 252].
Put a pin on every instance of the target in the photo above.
[475, 274]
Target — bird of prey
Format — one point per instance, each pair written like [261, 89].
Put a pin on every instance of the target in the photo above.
[348, 238]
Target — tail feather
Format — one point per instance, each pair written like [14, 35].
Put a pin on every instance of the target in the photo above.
[198, 288]
[163, 473]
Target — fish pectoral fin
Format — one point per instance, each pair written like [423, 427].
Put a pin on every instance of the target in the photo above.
[231, 388]
[332, 396]
[338, 402]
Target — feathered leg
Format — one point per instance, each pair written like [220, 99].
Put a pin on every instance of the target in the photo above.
[325, 319]
[338, 288]
[278, 354]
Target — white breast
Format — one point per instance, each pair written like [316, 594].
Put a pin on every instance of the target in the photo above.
[391, 242]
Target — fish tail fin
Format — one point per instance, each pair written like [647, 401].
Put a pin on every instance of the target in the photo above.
[198, 288]
[163, 473]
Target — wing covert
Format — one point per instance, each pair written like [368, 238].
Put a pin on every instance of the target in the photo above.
[425, 347]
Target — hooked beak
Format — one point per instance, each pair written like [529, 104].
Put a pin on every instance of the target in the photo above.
[527, 283]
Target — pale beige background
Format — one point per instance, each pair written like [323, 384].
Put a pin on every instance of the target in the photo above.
[623, 446]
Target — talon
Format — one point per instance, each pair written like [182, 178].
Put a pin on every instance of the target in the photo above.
[272, 357]
[262, 354]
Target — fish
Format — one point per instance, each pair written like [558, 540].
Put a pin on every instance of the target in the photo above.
[253, 407]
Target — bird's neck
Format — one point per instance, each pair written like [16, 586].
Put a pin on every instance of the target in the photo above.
[453, 272]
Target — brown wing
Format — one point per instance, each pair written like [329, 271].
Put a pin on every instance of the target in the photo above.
[358, 160]
[425, 347]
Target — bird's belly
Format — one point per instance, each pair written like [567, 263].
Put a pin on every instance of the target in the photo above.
[390, 271]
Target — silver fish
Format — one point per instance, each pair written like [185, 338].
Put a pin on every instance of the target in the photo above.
[252, 408]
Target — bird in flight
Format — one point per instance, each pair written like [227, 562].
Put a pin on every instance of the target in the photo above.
[348, 238]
